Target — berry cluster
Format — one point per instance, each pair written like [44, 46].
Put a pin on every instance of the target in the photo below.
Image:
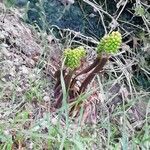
[73, 57]
[110, 43]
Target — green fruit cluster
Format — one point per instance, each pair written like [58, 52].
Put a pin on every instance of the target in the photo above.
[73, 57]
[110, 43]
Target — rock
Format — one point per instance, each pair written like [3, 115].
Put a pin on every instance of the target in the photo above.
[29, 62]
[5, 52]
[19, 35]
[2, 36]
[67, 2]
[19, 89]
[4, 45]
[21, 3]
[46, 98]
[24, 69]
[73, 17]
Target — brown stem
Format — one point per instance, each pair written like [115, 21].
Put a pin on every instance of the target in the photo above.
[57, 87]
[89, 68]
[57, 76]
[67, 80]
[89, 78]
[57, 91]
[58, 102]
[86, 70]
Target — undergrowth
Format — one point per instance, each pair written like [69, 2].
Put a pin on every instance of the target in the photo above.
[123, 110]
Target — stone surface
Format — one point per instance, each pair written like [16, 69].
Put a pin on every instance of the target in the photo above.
[76, 16]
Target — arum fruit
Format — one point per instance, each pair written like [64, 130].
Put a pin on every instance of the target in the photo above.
[73, 57]
[110, 43]
[107, 46]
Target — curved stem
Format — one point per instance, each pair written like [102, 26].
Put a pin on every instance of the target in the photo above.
[57, 93]
[89, 68]
[58, 102]
[89, 78]
[86, 70]
[68, 79]
[57, 76]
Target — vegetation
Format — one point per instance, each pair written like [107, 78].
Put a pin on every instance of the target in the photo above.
[87, 88]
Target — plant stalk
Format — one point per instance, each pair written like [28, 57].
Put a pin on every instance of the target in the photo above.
[67, 79]
[89, 78]
[86, 70]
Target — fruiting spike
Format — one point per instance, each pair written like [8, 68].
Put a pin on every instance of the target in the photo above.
[73, 57]
[110, 43]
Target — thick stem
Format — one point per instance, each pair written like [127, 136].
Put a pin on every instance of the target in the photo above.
[68, 79]
[57, 76]
[89, 78]
[57, 87]
[57, 93]
[86, 70]
[89, 68]
[58, 102]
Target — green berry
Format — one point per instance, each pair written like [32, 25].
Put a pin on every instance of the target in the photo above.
[110, 43]
[73, 57]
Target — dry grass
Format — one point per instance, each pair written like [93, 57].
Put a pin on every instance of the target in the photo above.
[26, 90]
